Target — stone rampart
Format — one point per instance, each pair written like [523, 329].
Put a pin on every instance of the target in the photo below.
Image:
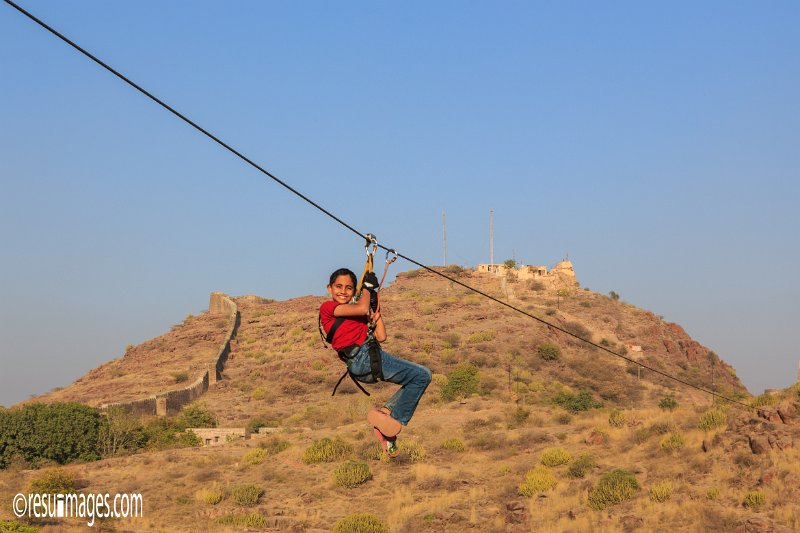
[170, 402]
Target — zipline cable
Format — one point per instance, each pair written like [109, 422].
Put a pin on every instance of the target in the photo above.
[342, 222]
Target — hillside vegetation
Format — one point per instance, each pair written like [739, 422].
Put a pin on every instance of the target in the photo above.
[524, 428]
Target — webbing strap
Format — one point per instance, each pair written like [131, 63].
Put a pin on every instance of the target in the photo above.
[375, 360]
[371, 241]
[329, 337]
[334, 327]
[347, 373]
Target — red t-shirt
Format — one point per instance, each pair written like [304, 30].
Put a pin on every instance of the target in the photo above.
[352, 331]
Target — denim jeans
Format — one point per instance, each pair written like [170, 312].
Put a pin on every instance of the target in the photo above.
[412, 378]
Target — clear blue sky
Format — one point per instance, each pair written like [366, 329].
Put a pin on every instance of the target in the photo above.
[657, 144]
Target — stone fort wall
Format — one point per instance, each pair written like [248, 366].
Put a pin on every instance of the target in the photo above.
[172, 401]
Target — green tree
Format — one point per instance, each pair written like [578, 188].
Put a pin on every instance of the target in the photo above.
[510, 263]
[119, 432]
[196, 416]
[59, 432]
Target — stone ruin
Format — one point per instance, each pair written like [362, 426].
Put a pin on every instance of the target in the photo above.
[563, 272]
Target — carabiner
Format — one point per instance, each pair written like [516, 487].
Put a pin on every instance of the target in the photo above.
[372, 240]
[394, 256]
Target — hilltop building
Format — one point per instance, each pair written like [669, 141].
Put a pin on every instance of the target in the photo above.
[563, 271]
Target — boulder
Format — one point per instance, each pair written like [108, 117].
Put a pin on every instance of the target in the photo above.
[770, 414]
[517, 512]
[759, 444]
[788, 412]
[766, 478]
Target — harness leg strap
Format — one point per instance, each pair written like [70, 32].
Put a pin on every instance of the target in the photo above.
[375, 361]
[348, 373]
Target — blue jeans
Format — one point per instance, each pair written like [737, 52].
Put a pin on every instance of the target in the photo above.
[412, 378]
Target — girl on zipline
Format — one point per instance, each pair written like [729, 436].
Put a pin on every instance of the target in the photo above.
[354, 329]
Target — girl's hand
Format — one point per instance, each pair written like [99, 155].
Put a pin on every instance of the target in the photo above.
[376, 316]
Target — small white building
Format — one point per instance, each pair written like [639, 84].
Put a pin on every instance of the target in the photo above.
[217, 436]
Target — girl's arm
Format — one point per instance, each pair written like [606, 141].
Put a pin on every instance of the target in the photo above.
[380, 328]
[360, 308]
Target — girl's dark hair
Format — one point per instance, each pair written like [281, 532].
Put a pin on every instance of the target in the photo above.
[343, 272]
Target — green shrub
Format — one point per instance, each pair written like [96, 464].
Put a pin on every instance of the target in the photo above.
[754, 500]
[361, 522]
[243, 520]
[713, 493]
[462, 382]
[482, 336]
[53, 482]
[671, 443]
[255, 457]
[413, 450]
[662, 427]
[196, 416]
[454, 270]
[164, 434]
[517, 417]
[210, 496]
[181, 377]
[259, 393]
[351, 474]
[612, 488]
[58, 432]
[661, 491]
[274, 445]
[537, 480]
[258, 422]
[10, 526]
[574, 403]
[711, 419]
[668, 403]
[617, 419]
[549, 352]
[581, 465]
[372, 451]
[327, 451]
[246, 494]
[555, 457]
[454, 445]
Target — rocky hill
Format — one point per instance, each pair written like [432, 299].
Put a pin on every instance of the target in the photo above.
[464, 464]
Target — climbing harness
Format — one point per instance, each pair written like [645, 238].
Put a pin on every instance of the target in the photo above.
[347, 354]
[372, 242]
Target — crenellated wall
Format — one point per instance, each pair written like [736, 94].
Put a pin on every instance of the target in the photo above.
[172, 401]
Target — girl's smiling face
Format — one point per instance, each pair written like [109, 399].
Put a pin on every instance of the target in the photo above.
[342, 289]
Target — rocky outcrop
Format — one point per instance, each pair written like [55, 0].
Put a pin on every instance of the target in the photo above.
[769, 429]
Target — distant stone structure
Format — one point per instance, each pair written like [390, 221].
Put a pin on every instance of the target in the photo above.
[169, 402]
[563, 271]
[217, 436]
